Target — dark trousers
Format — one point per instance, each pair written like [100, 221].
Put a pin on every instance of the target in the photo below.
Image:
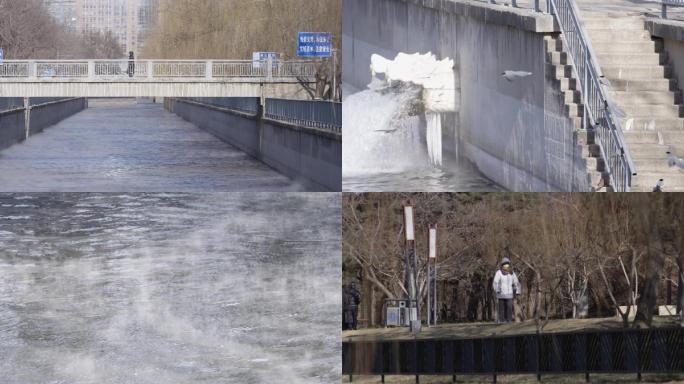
[504, 311]
[350, 317]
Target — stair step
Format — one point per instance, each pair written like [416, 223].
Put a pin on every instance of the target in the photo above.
[572, 96]
[568, 84]
[560, 71]
[601, 35]
[574, 110]
[647, 97]
[608, 59]
[557, 58]
[656, 165]
[636, 72]
[648, 151]
[620, 23]
[643, 124]
[653, 111]
[644, 84]
[628, 46]
[673, 179]
[669, 137]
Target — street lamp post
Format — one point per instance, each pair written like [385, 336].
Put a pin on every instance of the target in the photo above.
[411, 266]
[432, 276]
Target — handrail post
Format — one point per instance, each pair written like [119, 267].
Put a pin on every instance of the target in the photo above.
[585, 94]
[209, 71]
[32, 70]
[150, 69]
[537, 7]
[663, 12]
[269, 67]
[91, 70]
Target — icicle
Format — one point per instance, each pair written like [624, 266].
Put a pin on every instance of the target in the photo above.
[434, 137]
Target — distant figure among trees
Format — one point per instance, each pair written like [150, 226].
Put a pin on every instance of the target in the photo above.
[506, 286]
[351, 297]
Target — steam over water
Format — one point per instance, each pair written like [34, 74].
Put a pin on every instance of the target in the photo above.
[169, 288]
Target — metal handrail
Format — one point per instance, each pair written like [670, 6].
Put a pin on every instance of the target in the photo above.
[665, 3]
[595, 99]
[122, 69]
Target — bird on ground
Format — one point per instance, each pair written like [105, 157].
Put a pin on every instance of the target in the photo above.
[515, 75]
[659, 186]
[673, 161]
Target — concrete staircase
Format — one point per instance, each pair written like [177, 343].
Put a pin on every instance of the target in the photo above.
[643, 85]
[558, 64]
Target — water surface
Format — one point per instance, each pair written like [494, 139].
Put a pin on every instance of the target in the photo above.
[169, 288]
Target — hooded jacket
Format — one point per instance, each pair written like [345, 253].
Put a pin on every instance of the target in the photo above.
[506, 285]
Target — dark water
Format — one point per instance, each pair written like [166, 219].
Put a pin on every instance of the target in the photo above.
[124, 146]
[449, 178]
[169, 288]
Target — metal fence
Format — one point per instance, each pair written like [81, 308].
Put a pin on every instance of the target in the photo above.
[597, 115]
[9, 103]
[242, 104]
[125, 70]
[625, 351]
[674, 3]
[309, 113]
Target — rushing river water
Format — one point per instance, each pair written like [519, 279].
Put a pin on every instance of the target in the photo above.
[169, 288]
[120, 145]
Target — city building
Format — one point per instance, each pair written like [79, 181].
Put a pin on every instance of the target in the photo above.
[64, 11]
[128, 20]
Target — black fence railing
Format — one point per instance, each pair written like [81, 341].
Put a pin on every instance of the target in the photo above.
[308, 113]
[9, 103]
[625, 351]
[248, 105]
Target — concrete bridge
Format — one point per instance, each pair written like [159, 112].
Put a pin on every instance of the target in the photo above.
[153, 78]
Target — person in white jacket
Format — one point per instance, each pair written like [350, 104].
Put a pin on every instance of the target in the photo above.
[506, 286]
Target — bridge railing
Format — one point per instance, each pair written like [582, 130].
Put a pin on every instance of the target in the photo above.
[309, 113]
[665, 3]
[154, 70]
[249, 105]
[595, 100]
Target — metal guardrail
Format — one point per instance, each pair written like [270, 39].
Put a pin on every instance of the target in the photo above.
[248, 105]
[597, 114]
[126, 70]
[533, 4]
[10, 103]
[665, 3]
[309, 113]
[623, 351]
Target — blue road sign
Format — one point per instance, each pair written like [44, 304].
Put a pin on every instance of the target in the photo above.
[2, 55]
[315, 44]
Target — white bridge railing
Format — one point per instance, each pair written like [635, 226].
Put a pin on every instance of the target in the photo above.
[153, 70]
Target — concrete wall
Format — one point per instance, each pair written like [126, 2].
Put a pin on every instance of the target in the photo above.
[672, 33]
[13, 126]
[45, 115]
[516, 133]
[310, 156]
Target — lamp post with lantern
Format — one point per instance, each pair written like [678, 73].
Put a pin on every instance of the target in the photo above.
[432, 276]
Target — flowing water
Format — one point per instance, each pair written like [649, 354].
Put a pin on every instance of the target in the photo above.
[120, 145]
[386, 146]
[169, 288]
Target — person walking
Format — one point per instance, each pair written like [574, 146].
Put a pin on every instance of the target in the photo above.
[351, 300]
[506, 286]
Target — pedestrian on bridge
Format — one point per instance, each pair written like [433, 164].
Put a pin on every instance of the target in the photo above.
[507, 286]
[351, 297]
